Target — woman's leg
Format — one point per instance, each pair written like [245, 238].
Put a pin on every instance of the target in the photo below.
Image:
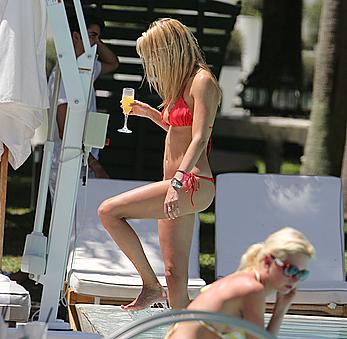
[175, 241]
[144, 202]
[147, 202]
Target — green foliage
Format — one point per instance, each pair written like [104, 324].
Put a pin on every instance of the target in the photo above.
[312, 15]
[207, 261]
[290, 168]
[261, 167]
[207, 267]
[207, 217]
[287, 167]
[51, 56]
[11, 264]
[233, 50]
[251, 7]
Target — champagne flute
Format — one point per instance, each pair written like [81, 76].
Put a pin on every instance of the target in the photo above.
[127, 99]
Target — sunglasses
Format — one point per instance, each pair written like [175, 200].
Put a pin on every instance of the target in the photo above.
[291, 270]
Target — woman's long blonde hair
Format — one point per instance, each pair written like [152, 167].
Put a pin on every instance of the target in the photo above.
[170, 55]
[279, 244]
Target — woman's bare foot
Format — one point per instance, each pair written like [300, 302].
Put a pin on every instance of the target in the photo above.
[147, 297]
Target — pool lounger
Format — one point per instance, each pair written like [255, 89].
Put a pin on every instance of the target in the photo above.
[97, 270]
[251, 206]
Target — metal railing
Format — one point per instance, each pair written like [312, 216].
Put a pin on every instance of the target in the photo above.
[174, 316]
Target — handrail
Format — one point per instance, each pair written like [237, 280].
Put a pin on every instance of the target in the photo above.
[173, 316]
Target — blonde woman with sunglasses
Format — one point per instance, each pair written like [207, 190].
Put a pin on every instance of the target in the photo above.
[175, 68]
[273, 266]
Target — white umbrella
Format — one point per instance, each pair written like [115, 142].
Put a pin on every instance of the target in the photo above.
[23, 85]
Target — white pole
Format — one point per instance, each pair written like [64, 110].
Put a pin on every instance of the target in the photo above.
[47, 158]
[77, 85]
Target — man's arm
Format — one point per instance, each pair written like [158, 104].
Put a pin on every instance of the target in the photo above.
[109, 61]
[61, 116]
[97, 168]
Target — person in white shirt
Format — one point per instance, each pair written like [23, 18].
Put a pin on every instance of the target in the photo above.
[107, 62]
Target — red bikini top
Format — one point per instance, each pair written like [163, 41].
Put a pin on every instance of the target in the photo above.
[179, 114]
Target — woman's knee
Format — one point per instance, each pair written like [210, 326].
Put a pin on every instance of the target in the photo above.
[108, 211]
[176, 272]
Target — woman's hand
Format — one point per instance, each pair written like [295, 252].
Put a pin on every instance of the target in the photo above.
[282, 304]
[283, 301]
[171, 209]
[140, 109]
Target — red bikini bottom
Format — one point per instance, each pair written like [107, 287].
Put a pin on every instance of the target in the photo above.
[192, 183]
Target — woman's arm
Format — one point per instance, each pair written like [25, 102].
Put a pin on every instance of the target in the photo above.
[142, 109]
[253, 308]
[61, 116]
[283, 302]
[109, 61]
[205, 96]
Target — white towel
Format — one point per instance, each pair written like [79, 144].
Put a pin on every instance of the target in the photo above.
[4, 278]
[23, 85]
[3, 4]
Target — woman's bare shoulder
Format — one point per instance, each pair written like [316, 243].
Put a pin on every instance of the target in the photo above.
[204, 84]
[243, 283]
[203, 77]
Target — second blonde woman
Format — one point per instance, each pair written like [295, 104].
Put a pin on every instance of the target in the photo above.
[273, 266]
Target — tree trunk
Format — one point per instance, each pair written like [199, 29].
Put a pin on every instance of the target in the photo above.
[326, 137]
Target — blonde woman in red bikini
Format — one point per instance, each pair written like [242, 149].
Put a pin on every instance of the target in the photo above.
[175, 68]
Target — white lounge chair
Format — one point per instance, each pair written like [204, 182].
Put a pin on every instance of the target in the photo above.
[15, 302]
[97, 269]
[251, 206]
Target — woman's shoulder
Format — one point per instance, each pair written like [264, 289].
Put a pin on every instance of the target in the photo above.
[203, 83]
[203, 76]
[245, 283]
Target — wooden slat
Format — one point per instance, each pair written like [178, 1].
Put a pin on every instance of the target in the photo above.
[111, 84]
[128, 3]
[126, 33]
[128, 16]
[123, 51]
[213, 54]
[210, 39]
[207, 39]
[221, 7]
[130, 69]
[158, 3]
[122, 15]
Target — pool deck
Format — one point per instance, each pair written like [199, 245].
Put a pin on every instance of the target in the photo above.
[105, 319]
